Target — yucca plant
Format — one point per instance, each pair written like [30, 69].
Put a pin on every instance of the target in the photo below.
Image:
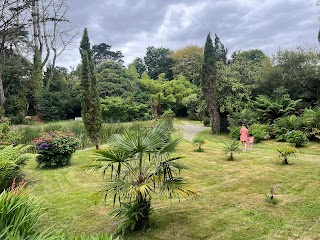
[11, 158]
[286, 152]
[232, 148]
[140, 166]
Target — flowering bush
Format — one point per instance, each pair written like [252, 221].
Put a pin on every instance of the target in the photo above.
[55, 148]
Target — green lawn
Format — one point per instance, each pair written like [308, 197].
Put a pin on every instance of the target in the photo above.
[231, 202]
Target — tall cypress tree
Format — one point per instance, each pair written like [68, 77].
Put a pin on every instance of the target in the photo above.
[90, 103]
[209, 84]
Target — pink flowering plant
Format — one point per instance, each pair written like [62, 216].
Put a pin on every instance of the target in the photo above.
[55, 148]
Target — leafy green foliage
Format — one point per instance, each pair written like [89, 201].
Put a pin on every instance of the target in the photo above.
[19, 216]
[102, 53]
[297, 138]
[286, 152]
[114, 80]
[311, 122]
[297, 72]
[234, 132]
[259, 131]
[143, 167]
[283, 125]
[187, 61]
[195, 106]
[199, 142]
[246, 115]
[272, 109]
[8, 135]
[157, 61]
[139, 66]
[231, 148]
[173, 94]
[117, 109]
[11, 159]
[55, 148]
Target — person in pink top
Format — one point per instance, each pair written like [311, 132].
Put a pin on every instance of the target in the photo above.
[250, 141]
[244, 136]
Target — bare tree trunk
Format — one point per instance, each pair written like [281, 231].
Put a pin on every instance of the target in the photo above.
[2, 62]
[2, 97]
[216, 112]
[213, 109]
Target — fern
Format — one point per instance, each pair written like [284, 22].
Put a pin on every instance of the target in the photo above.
[11, 158]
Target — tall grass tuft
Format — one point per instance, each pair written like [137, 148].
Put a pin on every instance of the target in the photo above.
[77, 127]
[19, 216]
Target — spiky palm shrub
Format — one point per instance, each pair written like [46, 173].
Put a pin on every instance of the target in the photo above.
[311, 120]
[285, 153]
[11, 158]
[285, 124]
[246, 115]
[272, 109]
[232, 148]
[140, 167]
[199, 142]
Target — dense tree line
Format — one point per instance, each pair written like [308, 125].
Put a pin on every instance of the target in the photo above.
[198, 82]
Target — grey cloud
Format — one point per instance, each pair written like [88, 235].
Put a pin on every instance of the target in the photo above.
[132, 26]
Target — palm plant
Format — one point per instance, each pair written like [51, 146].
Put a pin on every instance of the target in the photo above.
[286, 152]
[246, 115]
[232, 148]
[141, 166]
[273, 109]
[311, 118]
[285, 124]
[198, 142]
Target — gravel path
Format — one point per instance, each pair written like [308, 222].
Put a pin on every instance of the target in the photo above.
[190, 130]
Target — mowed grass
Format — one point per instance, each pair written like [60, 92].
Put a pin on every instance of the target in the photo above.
[231, 202]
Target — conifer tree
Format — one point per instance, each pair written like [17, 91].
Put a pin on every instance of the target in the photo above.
[90, 103]
[209, 84]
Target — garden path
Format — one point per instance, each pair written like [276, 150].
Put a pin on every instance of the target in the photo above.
[190, 130]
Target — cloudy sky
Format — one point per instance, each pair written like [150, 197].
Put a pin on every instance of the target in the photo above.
[132, 25]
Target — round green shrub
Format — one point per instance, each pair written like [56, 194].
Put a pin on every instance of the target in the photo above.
[206, 121]
[297, 138]
[55, 148]
[235, 132]
[259, 131]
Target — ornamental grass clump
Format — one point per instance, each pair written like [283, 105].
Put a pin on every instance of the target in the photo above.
[55, 148]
